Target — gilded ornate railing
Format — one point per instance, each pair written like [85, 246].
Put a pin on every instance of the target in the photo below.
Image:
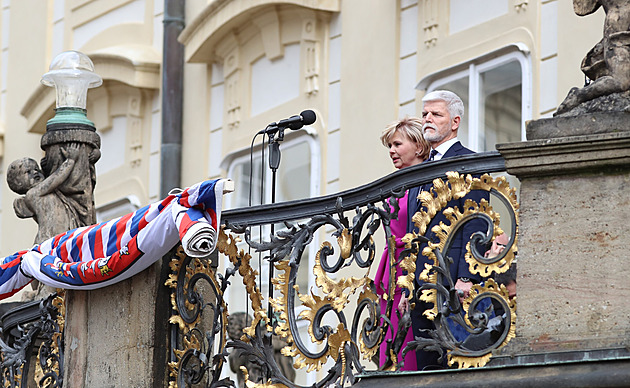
[341, 320]
[336, 327]
[34, 325]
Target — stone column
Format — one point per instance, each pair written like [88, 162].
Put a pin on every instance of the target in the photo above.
[573, 269]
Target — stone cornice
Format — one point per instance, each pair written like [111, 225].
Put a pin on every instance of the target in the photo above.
[567, 155]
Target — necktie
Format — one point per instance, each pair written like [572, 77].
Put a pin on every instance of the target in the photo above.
[432, 155]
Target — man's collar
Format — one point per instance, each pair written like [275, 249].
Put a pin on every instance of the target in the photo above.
[444, 147]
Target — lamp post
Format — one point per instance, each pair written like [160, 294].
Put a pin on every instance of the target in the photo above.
[72, 74]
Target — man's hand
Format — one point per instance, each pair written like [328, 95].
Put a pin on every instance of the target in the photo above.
[403, 305]
[464, 287]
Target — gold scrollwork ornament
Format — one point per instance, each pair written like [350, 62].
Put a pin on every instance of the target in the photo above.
[458, 186]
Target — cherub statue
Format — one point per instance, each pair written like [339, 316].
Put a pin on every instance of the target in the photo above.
[608, 63]
[41, 198]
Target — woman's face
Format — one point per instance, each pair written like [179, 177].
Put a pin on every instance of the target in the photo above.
[403, 150]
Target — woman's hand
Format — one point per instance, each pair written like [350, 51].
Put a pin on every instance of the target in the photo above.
[403, 305]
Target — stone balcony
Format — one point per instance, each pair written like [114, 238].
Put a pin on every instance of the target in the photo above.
[570, 329]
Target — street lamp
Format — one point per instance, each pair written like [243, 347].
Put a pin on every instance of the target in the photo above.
[71, 74]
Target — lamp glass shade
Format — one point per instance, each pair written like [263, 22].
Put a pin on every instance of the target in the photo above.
[71, 74]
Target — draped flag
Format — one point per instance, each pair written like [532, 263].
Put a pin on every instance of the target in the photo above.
[99, 255]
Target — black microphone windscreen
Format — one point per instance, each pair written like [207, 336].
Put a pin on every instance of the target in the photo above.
[308, 117]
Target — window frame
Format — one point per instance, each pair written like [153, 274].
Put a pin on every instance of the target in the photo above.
[473, 70]
[306, 135]
[242, 156]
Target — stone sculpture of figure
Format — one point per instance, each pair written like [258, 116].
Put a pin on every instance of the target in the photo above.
[237, 358]
[78, 190]
[41, 198]
[59, 196]
[608, 63]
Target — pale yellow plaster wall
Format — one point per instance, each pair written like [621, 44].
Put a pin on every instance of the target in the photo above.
[247, 44]
[452, 49]
[369, 67]
[26, 64]
[195, 141]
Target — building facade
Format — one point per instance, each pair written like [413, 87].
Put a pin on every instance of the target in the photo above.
[358, 64]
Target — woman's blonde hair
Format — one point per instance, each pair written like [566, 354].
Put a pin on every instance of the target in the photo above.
[410, 127]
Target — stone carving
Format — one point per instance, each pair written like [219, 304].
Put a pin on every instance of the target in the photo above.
[607, 64]
[56, 196]
[78, 189]
[59, 196]
[237, 358]
[41, 198]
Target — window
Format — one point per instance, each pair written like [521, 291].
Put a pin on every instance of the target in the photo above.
[497, 99]
[297, 178]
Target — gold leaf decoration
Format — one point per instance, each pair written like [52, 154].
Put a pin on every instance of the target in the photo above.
[490, 286]
[464, 362]
[408, 265]
[196, 266]
[227, 246]
[345, 243]
[337, 340]
[458, 186]
[335, 290]
[335, 296]
[367, 352]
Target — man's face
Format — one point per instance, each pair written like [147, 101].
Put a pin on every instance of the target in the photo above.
[438, 126]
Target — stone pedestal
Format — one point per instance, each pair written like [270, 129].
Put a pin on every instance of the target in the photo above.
[116, 336]
[573, 252]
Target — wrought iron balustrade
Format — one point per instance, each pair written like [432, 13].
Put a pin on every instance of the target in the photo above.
[341, 314]
[346, 222]
[33, 331]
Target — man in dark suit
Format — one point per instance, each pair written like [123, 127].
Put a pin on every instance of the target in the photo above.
[441, 115]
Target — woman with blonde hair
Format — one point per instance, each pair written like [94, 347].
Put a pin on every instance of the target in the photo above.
[407, 147]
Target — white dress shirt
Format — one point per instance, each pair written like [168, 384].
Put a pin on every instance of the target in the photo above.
[443, 148]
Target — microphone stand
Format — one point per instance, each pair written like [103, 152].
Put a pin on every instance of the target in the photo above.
[274, 163]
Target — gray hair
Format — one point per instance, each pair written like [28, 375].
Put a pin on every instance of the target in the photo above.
[454, 104]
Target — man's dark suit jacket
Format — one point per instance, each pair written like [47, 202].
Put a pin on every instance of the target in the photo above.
[459, 267]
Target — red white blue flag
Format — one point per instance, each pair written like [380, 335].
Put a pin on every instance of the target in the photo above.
[100, 255]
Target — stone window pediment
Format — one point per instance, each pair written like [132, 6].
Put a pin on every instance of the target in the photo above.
[209, 28]
[136, 67]
[269, 53]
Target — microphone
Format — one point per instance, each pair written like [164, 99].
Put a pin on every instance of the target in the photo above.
[307, 117]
